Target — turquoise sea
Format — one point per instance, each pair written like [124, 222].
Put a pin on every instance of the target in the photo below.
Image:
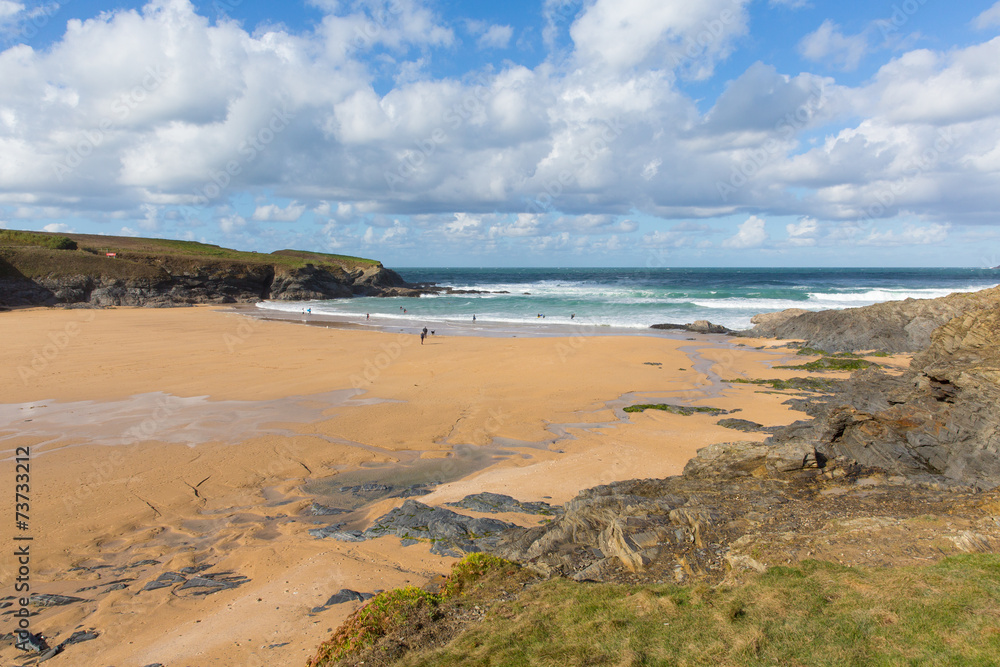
[635, 298]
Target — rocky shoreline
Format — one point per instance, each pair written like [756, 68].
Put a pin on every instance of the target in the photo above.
[890, 469]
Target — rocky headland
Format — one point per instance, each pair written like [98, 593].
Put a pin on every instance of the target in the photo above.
[39, 269]
[892, 327]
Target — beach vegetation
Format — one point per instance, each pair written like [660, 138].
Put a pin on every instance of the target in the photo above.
[795, 384]
[674, 409]
[833, 364]
[393, 621]
[811, 613]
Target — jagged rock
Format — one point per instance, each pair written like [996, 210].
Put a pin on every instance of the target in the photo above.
[449, 531]
[494, 503]
[937, 422]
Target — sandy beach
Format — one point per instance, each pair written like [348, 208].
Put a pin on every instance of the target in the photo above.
[163, 439]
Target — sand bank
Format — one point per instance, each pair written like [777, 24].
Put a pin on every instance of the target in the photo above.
[164, 439]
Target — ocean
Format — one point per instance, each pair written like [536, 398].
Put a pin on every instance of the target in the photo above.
[635, 298]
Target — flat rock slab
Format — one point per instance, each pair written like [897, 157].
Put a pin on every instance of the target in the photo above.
[45, 600]
[334, 532]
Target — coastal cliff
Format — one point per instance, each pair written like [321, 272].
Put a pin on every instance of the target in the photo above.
[38, 269]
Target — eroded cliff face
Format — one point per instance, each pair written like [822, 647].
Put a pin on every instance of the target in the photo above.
[163, 286]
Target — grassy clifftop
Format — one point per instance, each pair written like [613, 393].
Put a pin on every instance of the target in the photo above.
[41, 254]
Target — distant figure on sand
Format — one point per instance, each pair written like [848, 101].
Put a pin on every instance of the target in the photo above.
[473, 318]
[368, 316]
[423, 334]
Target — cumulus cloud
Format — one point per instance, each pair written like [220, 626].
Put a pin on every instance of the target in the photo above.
[274, 213]
[828, 45]
[621, 34]
[989, 18]
[751, 234]
[160, 116]
[58, 227]
[803, 232]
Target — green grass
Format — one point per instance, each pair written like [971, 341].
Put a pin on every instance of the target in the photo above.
[812, 614]
[673, 409]
[34, 255]
[11, 237]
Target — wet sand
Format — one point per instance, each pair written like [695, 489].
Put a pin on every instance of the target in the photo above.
[192, 437]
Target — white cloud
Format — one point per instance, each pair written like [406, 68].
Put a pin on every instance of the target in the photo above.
[621, 34]
[274, 213]
[803, 232]
[651, 168]
[153, 108]
[751, 234]
[830, 46]
[495, 37]
[989, 18]
[57, 227]
[9, 10]
[910, 235]
[231, 224]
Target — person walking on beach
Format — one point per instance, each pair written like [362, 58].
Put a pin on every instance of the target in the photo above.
[423, 335]
[473, 318]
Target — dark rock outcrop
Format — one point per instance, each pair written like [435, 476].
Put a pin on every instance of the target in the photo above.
[698, 326]
[938, 421]
[748, 506]
[891, 327]
[205, 284]
[494, 503]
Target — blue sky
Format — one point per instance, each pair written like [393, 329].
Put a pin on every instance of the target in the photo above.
[545, 133]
